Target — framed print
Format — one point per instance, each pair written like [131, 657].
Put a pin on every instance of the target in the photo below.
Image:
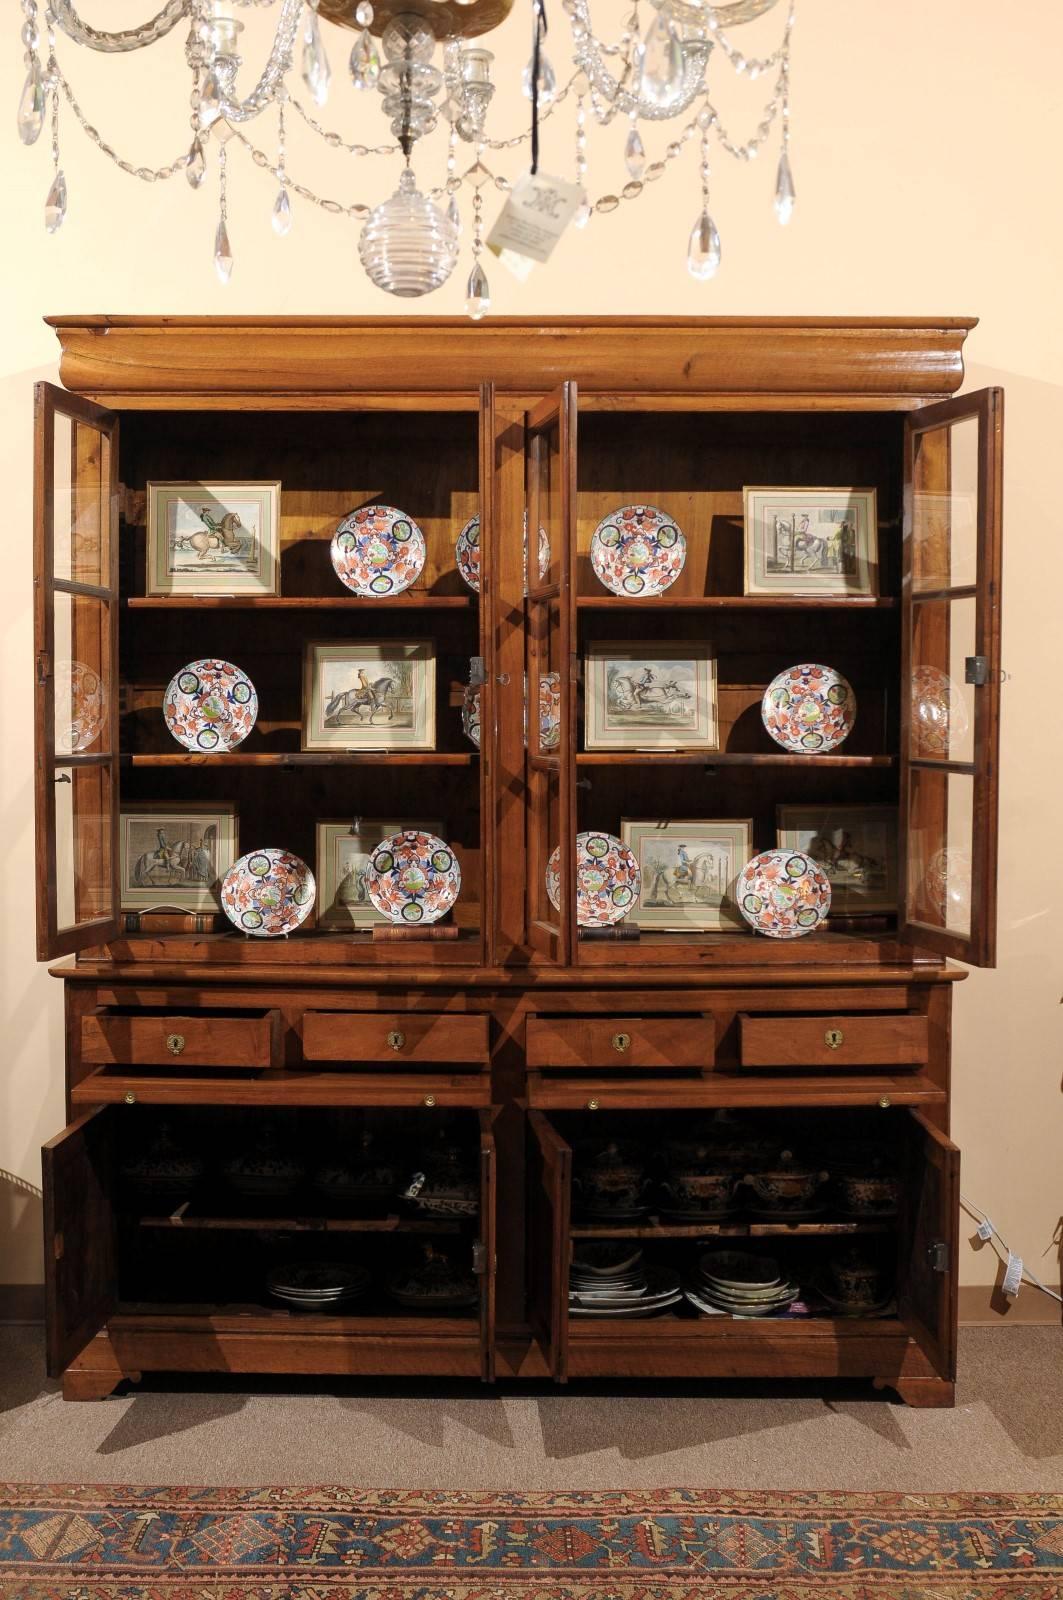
[652, 696]
[343, 851]
[375, 696]
[811, 541]
[855, 845]
[689, 871]
[213, 538]
[174, 857]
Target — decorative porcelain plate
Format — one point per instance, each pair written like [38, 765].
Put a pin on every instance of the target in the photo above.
[470, 713]
[210, 705]
[413, 877]
[467, 553]
[809, 709]
[638, 550]
[549, 711]
[268, 893]
[78, 690]
[607, 880]
[783, 893]
[939, 712]
[378, 551]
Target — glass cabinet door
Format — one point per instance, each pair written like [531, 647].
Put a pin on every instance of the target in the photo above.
[550, 733]
[950, 702]
[76, 678]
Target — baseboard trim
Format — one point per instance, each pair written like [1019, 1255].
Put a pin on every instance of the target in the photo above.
[983, 1306]
[21, 1302]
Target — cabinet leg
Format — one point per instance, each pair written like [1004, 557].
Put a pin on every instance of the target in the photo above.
[926, 1392]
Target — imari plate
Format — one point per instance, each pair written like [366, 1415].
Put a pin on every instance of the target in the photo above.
[467, 553]
[783, 893]
[470, 713]
[268, 893]
[413, 877]
[378, 551]
[939, 712]
[607, 880]
[79, 691]
[210, 705]
[549, 710]
[638, 550]
[809, 709]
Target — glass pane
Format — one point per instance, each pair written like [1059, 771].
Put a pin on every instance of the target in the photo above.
[940, 850]
[80, 670]
[943, 703]
[83, 811]
[543, 563]
[81, 477]
[945, 506]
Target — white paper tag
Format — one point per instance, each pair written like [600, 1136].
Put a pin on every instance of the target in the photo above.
[985, 1230]
[1012, 1275]
[536, 213]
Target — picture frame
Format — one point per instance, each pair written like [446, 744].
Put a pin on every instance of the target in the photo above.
[689, 869]
[343, 848]
[213, 538]
[811, 541]
[374, 695]
[856, 845]
[174, 857]
[650, 695]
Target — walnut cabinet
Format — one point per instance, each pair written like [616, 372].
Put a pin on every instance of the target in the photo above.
[506, 1034]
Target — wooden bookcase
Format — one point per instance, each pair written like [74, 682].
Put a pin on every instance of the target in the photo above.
[508, 1031]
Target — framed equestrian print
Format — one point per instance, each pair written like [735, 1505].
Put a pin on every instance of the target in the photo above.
[855, 845]
[380, 695]
[811, 541]
[173, 858]
[213, 539]
[652, 696]
[689, 871]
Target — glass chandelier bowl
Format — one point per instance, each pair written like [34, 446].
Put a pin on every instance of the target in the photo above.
[408, 246]
[448, 18]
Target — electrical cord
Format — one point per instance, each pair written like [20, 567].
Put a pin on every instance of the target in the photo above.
[987, 1231]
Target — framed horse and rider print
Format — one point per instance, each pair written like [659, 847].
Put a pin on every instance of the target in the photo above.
[650, 696]
[213, 539]
[173, 857]
[811, 542]
[688, 873]
[375, 695]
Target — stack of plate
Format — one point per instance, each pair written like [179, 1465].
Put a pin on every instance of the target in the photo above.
[745, 1285]
[624, 1288]
[318, 1286]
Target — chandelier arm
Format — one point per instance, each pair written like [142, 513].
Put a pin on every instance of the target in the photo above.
[129, 38]
[280, 59]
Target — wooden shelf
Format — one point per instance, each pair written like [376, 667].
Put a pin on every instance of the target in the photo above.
[392, 1224]
[661, 1091]
[307, 758]
[409, 600]
[300, 1087]
[654, 1228]
[734, 602]
[724, 758]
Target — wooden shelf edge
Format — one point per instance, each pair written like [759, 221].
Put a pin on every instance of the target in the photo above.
[272, 602]
[735, 602]
[725, 758]
[307, 758]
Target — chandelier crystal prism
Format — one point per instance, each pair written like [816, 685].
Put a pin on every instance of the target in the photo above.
[428, 72]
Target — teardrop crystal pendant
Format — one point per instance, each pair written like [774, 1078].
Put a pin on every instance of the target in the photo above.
[661, 74]
[31, 107]
[365, 61]
[223, 254]
[363, 14]
[547, 80]
[55, 204]
[785, 194]
[282, 213]
[477, 293]
[316, 70]
[703, 252]
[196, 166]
[635, 153]
[453, 214]
[210, 98]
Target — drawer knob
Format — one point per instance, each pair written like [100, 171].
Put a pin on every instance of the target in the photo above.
[885, 1102]
[834, 1038]
[621, 1042]
[130, 1098]
[396, 1039]
[429, 1099]
[175, 1043]
[592, 1105]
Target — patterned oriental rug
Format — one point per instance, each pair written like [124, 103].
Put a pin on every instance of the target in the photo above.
[82, 1543]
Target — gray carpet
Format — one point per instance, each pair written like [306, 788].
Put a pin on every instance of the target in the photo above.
[1006, 1432]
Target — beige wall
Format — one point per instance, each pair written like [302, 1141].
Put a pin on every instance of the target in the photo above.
[927, 177]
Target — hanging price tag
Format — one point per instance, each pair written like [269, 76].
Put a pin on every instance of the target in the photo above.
[536, 213]
[1012, 1275]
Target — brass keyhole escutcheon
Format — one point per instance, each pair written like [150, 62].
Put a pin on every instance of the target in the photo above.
[396, 1039]
[429, 1099]
[621, 1042]
[834, 1038]
[175, 1043]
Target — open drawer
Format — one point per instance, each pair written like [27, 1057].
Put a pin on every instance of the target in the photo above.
[416, 1037]
[152, 1038]
[841, 1043]
[162, 1229]
[636, 1043]
[913, 1247]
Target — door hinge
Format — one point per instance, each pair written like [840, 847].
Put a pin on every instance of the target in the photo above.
[44, 666]
[938, 1256]
[477, 673]
[976, 670]
[479, 1257]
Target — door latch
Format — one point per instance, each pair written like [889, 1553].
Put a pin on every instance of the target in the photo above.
[479, 1257]
[938, 1256]
[976, 670]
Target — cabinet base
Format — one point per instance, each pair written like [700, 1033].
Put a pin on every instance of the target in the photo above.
[921, 1392]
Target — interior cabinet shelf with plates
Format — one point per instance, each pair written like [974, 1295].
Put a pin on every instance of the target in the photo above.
[654, 680]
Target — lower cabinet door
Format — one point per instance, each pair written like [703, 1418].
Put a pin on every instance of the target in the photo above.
[549, 1207]
[929, 1232]
[80, 1235]
[486, 1250]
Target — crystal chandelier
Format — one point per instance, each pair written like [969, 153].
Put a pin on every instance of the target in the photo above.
[419, 63]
